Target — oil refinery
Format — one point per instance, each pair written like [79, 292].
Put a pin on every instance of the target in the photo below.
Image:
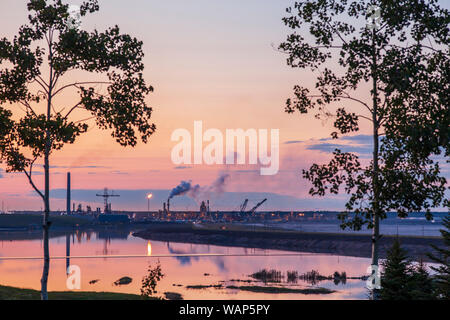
[247, 210]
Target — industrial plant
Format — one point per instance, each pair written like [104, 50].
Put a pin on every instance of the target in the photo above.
[205, 213]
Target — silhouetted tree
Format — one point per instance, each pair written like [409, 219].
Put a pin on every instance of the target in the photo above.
[421, 285]
[150, 281]
[442, 257]
[395, 276]
[33, 66]
[396, 52]
[403, 280]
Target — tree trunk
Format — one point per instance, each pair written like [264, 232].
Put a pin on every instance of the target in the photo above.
[375, 205]
[48, 144]
[46, 226]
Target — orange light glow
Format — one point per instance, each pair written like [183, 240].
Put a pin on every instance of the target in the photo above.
[149, 249]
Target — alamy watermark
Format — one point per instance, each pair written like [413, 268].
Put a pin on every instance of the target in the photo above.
[374, 279]
[73, 281]
[234, 141]
[374, 17]
[74, 19]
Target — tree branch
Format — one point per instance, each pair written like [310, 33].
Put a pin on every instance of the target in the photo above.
[42, 83]
[27, 105]
[357, 100]
[364, 117]
[345, 42]
[29, 174]
[382, 27]
[344, 97]
[86, 119]
[71, 109]
[315, 47]
[75, 84]
[421, 45]
[55, 80]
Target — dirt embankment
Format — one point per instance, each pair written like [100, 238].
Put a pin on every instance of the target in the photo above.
[337, 244]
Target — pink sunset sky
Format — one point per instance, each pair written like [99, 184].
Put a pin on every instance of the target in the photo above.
[214, 61]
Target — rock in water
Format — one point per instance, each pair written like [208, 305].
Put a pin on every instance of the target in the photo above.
[173, 296]
[123, 281]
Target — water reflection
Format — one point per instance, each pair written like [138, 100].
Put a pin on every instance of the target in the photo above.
[67, 253]
[149, 248]
[100, 274]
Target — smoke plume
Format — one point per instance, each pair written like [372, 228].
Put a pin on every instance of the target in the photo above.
[198, 192]
[185, 187]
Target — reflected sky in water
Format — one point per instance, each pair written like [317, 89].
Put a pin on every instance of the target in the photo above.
[178, 271]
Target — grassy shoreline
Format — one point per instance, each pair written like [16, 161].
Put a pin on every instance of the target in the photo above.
[13, 293]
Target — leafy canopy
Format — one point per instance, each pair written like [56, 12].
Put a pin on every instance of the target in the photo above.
[150, 281]
[32, 66]
[401, 66]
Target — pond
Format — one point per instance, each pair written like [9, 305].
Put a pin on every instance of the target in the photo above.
[95, 253]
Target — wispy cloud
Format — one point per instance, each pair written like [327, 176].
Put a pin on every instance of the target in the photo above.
[119, 172]
[361, 138]
[73, 167]
[182, 167]
[34, 173]
[330, 147]
[361, 144]
[246, 171]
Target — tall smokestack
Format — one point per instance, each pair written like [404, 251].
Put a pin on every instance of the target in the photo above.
[68, 193]
[164, 205]
[168, 205]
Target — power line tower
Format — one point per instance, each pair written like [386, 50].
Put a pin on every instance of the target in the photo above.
[105, 197]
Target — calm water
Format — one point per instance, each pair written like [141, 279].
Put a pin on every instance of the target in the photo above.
[178, 271]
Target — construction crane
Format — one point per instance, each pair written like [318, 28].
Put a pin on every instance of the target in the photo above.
[243, 206]
[106, 196]
[252, 210]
